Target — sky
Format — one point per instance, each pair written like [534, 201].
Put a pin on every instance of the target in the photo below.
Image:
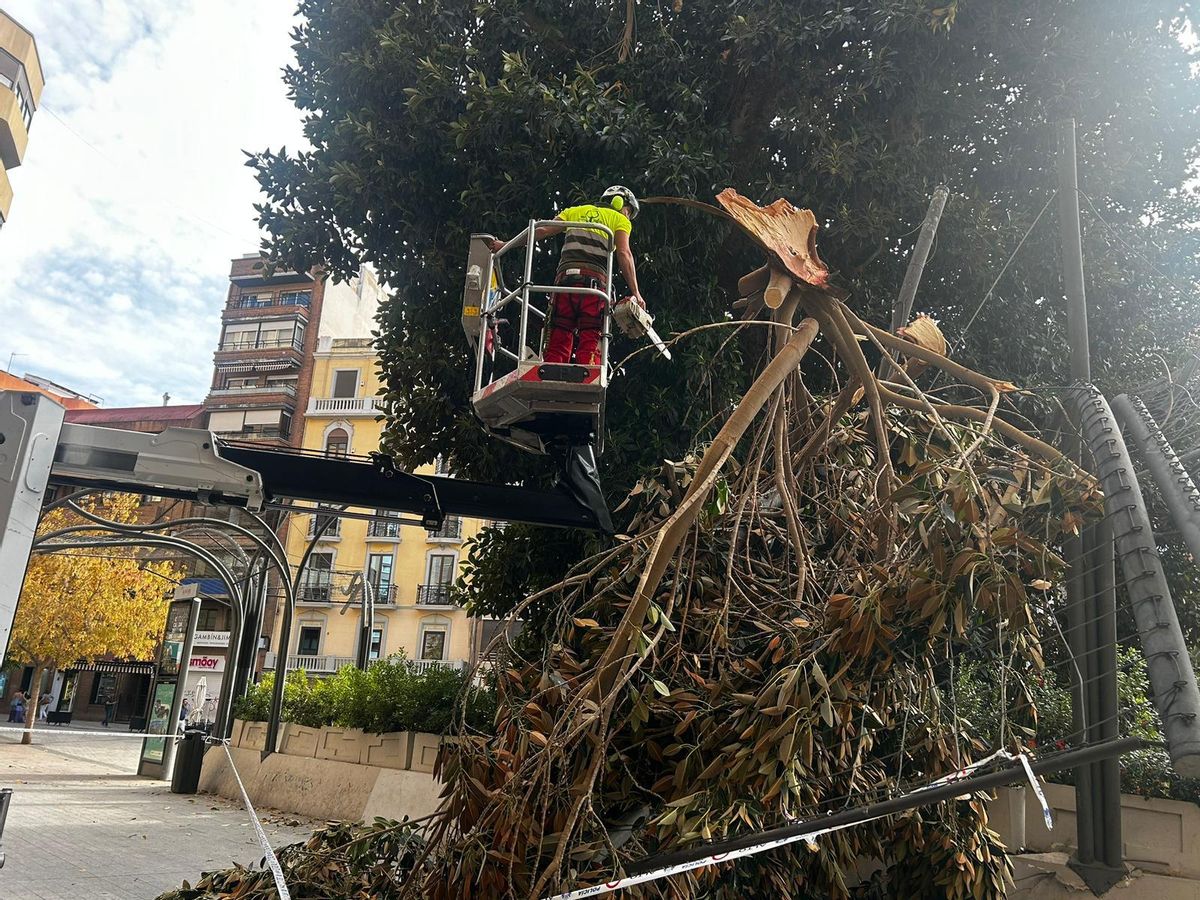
[133, 195]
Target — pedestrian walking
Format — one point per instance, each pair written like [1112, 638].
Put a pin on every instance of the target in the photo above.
[44, 705]
[110, 710]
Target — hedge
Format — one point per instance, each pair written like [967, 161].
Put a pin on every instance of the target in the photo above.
[391, 695]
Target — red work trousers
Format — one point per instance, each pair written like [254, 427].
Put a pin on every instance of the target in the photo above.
[571, 313]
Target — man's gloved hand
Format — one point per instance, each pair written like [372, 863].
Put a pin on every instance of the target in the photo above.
[494, 245]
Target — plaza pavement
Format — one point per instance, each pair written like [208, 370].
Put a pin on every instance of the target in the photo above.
[84, 826]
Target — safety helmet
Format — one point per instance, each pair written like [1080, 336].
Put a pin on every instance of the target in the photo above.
[620, 197]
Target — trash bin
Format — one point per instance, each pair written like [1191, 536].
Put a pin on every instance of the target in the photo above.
[189, 755]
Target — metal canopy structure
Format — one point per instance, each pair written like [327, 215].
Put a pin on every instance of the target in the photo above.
[37, 450]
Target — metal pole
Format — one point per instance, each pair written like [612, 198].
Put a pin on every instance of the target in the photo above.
[1077, 642]
[902, 308]
[1072, 252]
[1106, 774]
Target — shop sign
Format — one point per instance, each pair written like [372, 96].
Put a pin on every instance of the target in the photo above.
[207, 664]
[211, 639]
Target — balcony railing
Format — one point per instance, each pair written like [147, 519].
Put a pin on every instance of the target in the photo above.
[345, 406]
[385, 595]
[333, 531]
[269, 388]
[313, 665]
[424, 665]
[383, 530]
[263, 344]
[433, 595]
[329, 665]
[256, 433]
[451, 530]
[316, 590]
[263, 301]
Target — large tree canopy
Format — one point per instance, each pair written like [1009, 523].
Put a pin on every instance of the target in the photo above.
[431, 120]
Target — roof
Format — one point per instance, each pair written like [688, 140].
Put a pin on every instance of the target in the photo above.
[164, 414]
[11, 382]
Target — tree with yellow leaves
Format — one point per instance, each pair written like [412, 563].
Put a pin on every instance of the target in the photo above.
[83, 605]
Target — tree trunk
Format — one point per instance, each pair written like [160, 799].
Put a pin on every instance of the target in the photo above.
[31, 708]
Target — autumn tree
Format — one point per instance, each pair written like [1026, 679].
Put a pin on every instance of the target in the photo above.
[77, 606]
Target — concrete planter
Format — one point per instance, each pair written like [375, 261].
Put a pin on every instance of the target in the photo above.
[424, 751]
[235, 733]
[254, 736]
[299, 740]
[342, 744]
[387, 751]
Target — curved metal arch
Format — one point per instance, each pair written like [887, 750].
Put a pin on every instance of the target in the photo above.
[222, 571]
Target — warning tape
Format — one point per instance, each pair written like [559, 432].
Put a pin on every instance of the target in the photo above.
[56, 731]
[679, 868]
[263, 841]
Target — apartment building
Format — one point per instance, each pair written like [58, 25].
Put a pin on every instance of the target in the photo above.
[21, 84]
[408, 570]
[263, 365]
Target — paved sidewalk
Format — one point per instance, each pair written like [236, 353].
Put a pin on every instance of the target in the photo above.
[84, 825]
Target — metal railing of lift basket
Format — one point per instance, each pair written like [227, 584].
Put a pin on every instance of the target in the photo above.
[493, 304]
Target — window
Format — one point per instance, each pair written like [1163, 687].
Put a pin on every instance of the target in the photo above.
[337, 443]
[310, 640]
[345, 383]
[239, 337]
[104, 687]
[379, 573]
[441, 568]
[376, 648]
[295, 298]
[318, 577]
[433, 642]
[277, 337]
[247, 301]
[318, 523]
[237, 383]
[211, 619]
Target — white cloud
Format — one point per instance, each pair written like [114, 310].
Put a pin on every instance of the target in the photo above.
[134, 195]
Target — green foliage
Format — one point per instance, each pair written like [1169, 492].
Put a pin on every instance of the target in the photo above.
[1147, 773]
[392, 695]
[431, 120]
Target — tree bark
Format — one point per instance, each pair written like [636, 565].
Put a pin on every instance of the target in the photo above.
[35, 696]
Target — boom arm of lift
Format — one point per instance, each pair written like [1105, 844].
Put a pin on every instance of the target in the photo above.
[37, 449]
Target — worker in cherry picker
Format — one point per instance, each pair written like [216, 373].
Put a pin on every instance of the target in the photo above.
[583, 263]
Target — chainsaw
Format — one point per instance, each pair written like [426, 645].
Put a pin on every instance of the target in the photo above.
[633, 320]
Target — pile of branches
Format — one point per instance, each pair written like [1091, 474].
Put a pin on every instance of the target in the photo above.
[776, 637]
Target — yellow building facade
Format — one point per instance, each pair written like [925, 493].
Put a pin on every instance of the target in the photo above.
[21, 85]
[407, 569]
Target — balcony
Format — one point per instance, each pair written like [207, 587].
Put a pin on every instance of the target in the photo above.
[451, 531]
[434, 595]
[294, 343]
[345, 406]
[288, 390]
[333, 531]
[329, 665]
[421, 666]
[315, 590]
[383, 531]
[256, 433]
[313, 665]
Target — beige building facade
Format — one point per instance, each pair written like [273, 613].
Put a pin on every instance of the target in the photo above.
[408, 570]
[21, 83]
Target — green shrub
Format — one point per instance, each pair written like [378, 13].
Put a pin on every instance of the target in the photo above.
[391, 695]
